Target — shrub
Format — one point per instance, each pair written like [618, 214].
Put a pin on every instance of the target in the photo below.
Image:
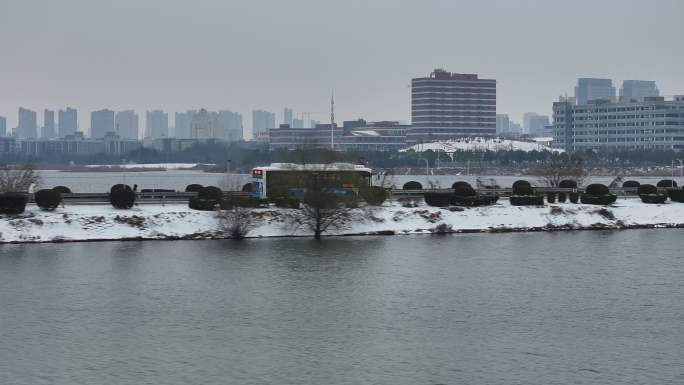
[412, 185]
[521, 187]
[13, 202]
[567, 183]
[603, 199]
[527, 200]
[574, 197]
[473, 200]
[464, 190]
[562, 197]
[647, 189]
[597, 189]
[631, 184]
[48, 199]
[240, 201]
[210, 193]
[551, 196]
[676, 195]
[287, 203]
[438, 198]
[247, 187]
[460, 184]
[649, 194]
[668, 183]
[62, 189]
[374, 195]
[122, 196]
[197, 203]
[193, 187]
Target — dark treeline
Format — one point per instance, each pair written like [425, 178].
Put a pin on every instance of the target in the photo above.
[243, 156]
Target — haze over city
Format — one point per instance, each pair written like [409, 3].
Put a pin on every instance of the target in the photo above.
[175, 55]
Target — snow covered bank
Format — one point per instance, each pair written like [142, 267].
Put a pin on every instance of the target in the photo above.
[101, 222]
[482, 144]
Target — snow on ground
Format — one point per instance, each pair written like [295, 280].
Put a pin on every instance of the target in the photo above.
[167, 166]
[174, 221]
[481, 144]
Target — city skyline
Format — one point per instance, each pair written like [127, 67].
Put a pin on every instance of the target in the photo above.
[260, 72]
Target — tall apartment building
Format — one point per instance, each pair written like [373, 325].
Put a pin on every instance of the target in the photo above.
[67, 122]
[3, 126]
[503, 123]
[287, 116]
[181, 125]
[261, 122]
[101, 123]
[126, 124]
[157, 124]
[27, 127]
[654, 123]
[535, 124]
[590, 89]
[448, 105]
[48, 131]
[231, 126]
[638, 90]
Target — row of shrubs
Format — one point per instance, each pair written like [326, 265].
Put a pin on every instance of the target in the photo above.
[46, 199]
[654, 194]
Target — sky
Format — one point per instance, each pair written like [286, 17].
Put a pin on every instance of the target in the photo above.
[268, 54]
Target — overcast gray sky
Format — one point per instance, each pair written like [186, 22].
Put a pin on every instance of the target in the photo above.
[244, 55]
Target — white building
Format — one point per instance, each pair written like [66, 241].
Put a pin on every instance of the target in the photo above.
[127, 124]
[157, 124]
[101, 123]
[67, 122]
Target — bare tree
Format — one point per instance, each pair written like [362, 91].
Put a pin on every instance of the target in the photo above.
[17, 178]
[236, 222]
[321, 209]
[553, 171]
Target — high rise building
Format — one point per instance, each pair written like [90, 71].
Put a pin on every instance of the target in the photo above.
[534, 124]
[448, 105]
[502, 124]
[126, 124]
[48, 131]
[314, 123]
[231, 126]
[101, 123]
[3, 126]
[287, 116]
[261, 122]
[298, 123]
[27, 127]
[182, 124]
[590, 89]
[157, 124]
[637, 90]
[67, 122]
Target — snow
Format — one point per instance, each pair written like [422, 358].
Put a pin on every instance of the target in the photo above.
[365, 133]
[173, 221]
[481, 144]
[167, 166]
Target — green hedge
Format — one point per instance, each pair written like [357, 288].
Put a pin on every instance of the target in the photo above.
[438, 198]
[13, 202]
[653, 198]
[374, 195]
[527, 200]
[603, 200]
[48, 199]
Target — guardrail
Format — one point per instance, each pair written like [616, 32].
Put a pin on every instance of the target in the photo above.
[504, 192]
[140, 197]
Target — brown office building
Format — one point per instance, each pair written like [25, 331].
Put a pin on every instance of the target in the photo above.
[447, 105]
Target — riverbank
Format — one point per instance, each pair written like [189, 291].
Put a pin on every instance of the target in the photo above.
[176, 221]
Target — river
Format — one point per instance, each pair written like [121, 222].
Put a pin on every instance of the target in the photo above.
[592, 307]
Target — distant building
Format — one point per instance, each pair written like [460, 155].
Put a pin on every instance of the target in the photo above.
[126, 124]
[27, 127]
[48, 131]
[637, 90]
[182, 124]
[654, 123]
[101, 123]
[3, 126]
[231, 126]
[262, 121]
[67, 122]
[314, 123]
[353, 135]
[533, 123]
[502, 124]
[287, 116]
[77, 145]
[448, 105]
[157, 124]
[591, 89]
[205, 125]
[298, 123]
